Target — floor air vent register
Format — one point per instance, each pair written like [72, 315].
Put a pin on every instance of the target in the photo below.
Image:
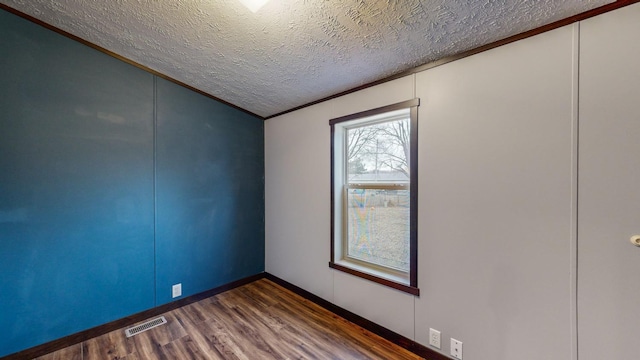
[145, 326]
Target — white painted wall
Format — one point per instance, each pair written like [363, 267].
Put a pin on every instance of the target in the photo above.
[497, 200]
[609, 207]
[297, 211]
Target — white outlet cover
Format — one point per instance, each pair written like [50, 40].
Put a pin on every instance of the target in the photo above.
[434, 338]
[456, 348]
[176, 290]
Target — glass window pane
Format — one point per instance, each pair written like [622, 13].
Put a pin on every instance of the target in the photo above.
[378, 227]
[379, 152]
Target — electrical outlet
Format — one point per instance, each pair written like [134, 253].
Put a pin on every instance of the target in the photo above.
[456, 348]
[434, 338]
[176, 290]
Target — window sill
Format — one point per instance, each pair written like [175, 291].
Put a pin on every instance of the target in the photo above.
[377, 279]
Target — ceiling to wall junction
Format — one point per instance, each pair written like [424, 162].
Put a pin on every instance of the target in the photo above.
[292, 52]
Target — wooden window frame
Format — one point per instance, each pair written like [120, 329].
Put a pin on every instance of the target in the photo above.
[351, 268]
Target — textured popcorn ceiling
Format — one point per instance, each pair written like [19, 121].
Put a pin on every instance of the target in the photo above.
[292, 52]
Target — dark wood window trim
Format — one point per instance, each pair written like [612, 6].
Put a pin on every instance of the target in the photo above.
[392, 284]
[412, 288]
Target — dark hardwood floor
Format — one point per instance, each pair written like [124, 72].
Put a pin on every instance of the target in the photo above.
[260, 320]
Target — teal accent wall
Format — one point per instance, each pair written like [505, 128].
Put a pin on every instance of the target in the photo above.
[210, 185]
[114, 185]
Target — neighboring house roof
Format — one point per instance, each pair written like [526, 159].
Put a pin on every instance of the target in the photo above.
[380, 176]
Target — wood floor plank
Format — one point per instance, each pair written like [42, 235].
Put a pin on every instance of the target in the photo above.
[70, 353]
[111, 346]
[198, 335]
[196, 312]
[186, 348]
[240, 334]
[260, 320]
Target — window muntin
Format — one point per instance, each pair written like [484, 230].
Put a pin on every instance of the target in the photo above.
[374, 195]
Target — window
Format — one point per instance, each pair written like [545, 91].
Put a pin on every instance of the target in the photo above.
[374, 195]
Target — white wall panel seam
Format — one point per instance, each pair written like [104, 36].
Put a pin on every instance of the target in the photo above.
[573, 248]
